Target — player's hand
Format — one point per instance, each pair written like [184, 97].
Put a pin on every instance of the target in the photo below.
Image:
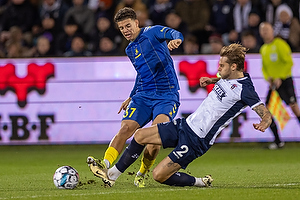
[174, 44]
[124, 104]
[260, 127]
[204, 81]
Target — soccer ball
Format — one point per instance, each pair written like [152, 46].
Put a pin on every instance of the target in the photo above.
[66, 177]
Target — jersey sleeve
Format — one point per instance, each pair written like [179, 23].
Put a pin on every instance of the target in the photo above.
[250, 97]
[133, 91]
[285, 54]
[167, 33]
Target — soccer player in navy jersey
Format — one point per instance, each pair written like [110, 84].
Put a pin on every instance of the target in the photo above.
[155, 94]
[193, 136]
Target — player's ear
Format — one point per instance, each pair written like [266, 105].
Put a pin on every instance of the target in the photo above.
[137, 22]
[233, 66]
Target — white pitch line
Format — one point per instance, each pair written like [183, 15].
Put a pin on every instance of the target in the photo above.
[287, 184]
[90, 194]
[135, 191]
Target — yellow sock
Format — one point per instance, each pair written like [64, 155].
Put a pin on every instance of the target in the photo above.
[111, 154]
[146, 164]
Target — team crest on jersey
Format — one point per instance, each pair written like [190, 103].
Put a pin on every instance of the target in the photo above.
[220, 92]
[137, 54]
[233, 86]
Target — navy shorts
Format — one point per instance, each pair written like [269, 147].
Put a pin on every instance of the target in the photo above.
[187, 145]
[145, 106]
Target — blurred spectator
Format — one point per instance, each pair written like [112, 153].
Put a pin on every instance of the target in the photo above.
[107, 48]
[43, 47]
[221, 17]
[249, 41]
[260, 6]
[53, 10]
[190, 45]
[174, 21]
[19, 13]
[271, 10]
[295, 5]
[94, 5]
[196, 14]
[14, 50]
[83, 16]
[214, 46]
[2, 54]
[241, 12]
[105, 28]
[134, 4]
[63, 43]
[78, 48]
[143, 18]
[159, 10]
[16, 35]
[103, 8]
[254, 19]
[287, 27]
[15, 44]
[3, 6]
[52, 13]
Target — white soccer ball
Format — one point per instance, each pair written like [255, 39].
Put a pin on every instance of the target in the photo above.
[66, 177]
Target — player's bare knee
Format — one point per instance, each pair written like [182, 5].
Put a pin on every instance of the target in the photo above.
[125, 131]
[157, 176]
[138, 136]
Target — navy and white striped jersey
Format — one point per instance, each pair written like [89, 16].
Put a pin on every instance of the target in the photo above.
[151, 59]
[226, 101]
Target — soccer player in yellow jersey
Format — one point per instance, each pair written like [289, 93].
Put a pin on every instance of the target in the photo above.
[277, 66]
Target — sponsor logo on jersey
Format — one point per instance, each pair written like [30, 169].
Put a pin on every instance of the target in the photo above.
[220, 92]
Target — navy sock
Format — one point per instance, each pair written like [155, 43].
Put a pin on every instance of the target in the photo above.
[131, 153]
[180, 179]
[275, 132]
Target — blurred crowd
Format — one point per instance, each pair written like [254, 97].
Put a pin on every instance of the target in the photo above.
[69, 28]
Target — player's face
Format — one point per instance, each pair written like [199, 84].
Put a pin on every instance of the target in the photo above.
[129, 28]
[224, 68]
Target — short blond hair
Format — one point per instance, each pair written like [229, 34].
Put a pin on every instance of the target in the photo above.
[235, 53]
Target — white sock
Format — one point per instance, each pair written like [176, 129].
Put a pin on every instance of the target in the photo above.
[113, 173]
[199, 182]
[107, 163]
[139, 174]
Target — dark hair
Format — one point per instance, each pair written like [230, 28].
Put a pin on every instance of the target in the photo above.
[125, 13]
[235, 53]
[247, 33]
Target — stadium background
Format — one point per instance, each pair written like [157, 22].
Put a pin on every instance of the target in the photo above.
[79, 103]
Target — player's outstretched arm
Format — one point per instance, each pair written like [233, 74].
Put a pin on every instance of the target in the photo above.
[125, 104]
[204, 81]
[265, 116]
[174, 44]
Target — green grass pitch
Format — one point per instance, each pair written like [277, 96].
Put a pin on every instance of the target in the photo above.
[240, 171]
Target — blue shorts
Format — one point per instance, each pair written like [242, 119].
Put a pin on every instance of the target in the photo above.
[187, 145]
[145, 106]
